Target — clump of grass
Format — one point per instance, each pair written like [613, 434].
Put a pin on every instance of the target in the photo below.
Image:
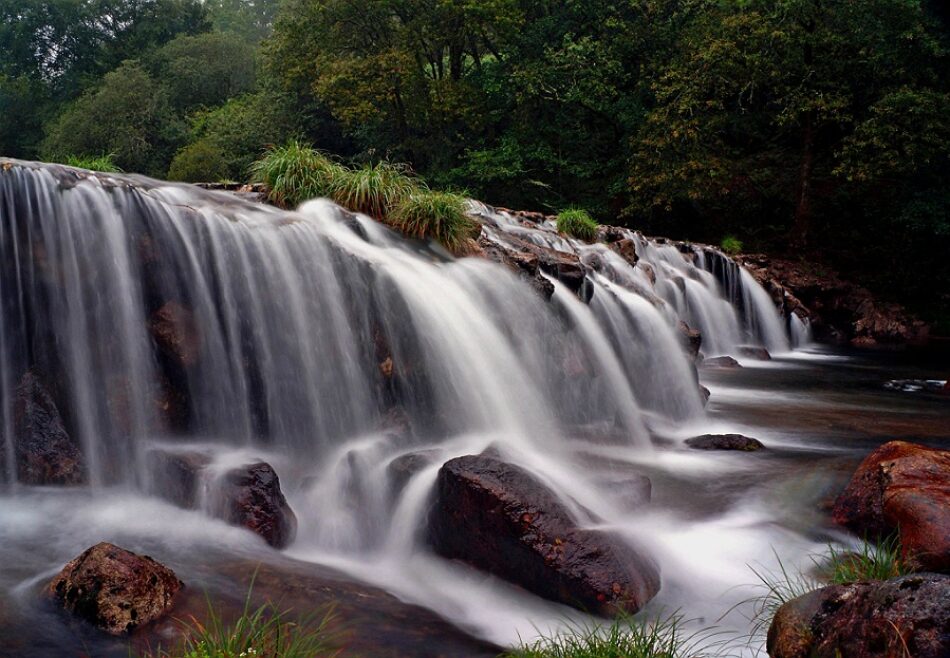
[293, 173]
[373, 190]
[872, 562]
[441, 216]
[731, 245]
[779, 587]
[263, 632]
[105, 163]
[577, 223]
[623, 638]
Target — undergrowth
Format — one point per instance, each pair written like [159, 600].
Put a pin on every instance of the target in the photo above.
[294, 173]
[578, 224]
[731, 245]
[441, 216]
[104, 163]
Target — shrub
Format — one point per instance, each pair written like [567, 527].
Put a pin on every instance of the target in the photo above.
[104, 163]
[731, 245]
[441, 216]
[294, 173]
[258, 633]
[201, 162]
[623, 638]
[578, 224]
[373, 190]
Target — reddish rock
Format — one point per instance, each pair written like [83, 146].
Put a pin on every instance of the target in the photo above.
[721, 362]
[754, 352]
[724, 442]
[250, 496]
[902, 617]
[692, 338]
[902, 488]
[176, 333]
[498, 517]
[114, 589]
[44, 451]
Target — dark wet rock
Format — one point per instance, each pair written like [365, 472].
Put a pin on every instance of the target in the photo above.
[902, 488]
[722, 362]
[44, 451]
[754, 352]
[521, 254]
[177, 476]
[724, 442]
[250, 496]
[524, 264]
[906, 616]
[692, 338]
[839, 311]
[498, 517]
[114, 589]
[705, 393]
[626, 249]
[401, 469]
[397, 424]
[176, 333]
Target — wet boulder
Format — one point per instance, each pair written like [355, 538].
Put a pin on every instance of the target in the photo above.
[115, 589]
[692, 339]
[720, 362]
[906, 616]
[176, 332]
[754, 352]
[176, 476]
[250, 496]
[500, 518]
[902, 488]
[724, 442]
[45, 453]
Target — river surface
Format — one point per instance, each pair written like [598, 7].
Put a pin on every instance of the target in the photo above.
[714, 517]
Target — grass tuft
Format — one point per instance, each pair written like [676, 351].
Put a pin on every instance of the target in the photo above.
[104, 163]
[263, 632]
[294, 173]
[872, 562]
[373, 190]
[731, 245]
[441, 216]
[623, 638]
[578, 224]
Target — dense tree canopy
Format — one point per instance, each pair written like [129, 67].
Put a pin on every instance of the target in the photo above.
[816, 125]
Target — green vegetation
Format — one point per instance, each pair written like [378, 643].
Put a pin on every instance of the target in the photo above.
[200, 162]
[873, 562]
[731, 245]
[578, 224]
[800, 127]
[441, 216]
[104, 163]
[294, 173]
[374, 190]
[622, 638]
[261, 632]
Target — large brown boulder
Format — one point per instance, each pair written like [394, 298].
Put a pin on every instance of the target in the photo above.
[115, 589]
[498, 517]
[45, 453]
[176, 333]
[902, 488]
[251, 497]
[906, 616]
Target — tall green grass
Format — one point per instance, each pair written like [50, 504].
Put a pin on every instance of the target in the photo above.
[880, 561]
[624, 638]
[375, 190]
[441, 216]
[104, 163]
[578, 224]
[262, 632]
[293, 173]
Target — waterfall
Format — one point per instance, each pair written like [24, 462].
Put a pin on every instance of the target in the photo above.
[163, 316]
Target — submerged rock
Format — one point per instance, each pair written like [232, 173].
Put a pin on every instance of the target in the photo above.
[906, 616]
[692, 339]
[251, 497]
[115, 589]
[45, 453]
[176, 476]
[176, 333]
[722, 362]
[754, 352]
[902, 488]
[498, 517]
[724, 442]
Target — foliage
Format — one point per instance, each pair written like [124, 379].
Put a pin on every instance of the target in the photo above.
[128, 115]
[199, 162]
[578, 224]
[873, 562]
[440, 216]
[294, 173]
[731, 245]
[623, 638]
[263, 632]
[104, 163]
[374, 190]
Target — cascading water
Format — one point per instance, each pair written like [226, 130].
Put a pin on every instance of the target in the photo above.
[166, 317]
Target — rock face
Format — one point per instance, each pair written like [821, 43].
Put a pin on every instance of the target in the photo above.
[44, 451]
[115, 589]
[499, 518]
[251, 497]
[724, 442]
[176, 333]
[840, 311]
[906, 616]
[902, 488]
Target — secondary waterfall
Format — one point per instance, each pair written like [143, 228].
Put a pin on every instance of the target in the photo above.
[334, 347]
